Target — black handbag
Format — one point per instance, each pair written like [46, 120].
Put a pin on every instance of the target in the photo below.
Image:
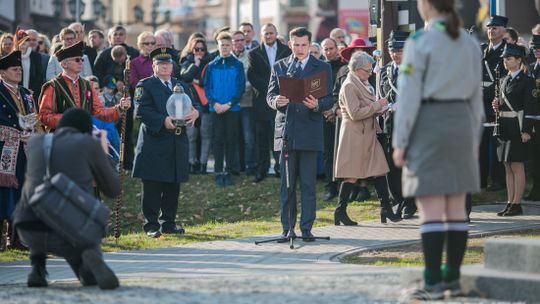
[68, 210]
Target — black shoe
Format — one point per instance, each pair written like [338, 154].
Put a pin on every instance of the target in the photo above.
[307, 236]
[86, 277]
[105, 277]
[194, 168]
[174, 230]
[259, 177]
[388, 213]
[153, 233]
[203, 169]
[500, 213]
[515, 209]
[408, 212]
[286, 236]
[329, 196]
[277, 173]
[38, 275]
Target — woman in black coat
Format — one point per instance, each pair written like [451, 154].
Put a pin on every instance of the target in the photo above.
[192, 71]
[515, 102]
[79, 156]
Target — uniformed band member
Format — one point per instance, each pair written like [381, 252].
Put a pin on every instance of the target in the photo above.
[492, 65]
[69, 90]
[534, 68]
[515, 103]
[162, 156]
[15, 101]
[299, 133]
[388, 89]
[437, 131]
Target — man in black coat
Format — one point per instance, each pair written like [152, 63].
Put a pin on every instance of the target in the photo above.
[162, 152]
[491, 62]
[534, 195]
[117, 36]
[260, 61]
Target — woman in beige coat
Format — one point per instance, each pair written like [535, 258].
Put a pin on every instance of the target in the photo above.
[359, 153]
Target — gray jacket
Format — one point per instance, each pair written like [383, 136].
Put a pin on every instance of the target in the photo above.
[436, 67]
[75, 154]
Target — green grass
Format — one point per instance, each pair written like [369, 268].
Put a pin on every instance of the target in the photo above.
[411, 255]
[209, 213]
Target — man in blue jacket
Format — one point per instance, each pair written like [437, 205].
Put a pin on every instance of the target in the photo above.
[299, 132]
[224, 84]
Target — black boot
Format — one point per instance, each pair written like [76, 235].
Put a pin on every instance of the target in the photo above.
[506, 208]
[354, 192]
[384, 198]
[340, 214]
[203, 169]
[38, 275]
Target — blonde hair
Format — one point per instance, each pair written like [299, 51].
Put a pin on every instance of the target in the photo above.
[144, 35]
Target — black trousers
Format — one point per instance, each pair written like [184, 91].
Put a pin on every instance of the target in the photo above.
[329, 130]
[225, 141]
[159, 197]
[264, 141]
[490, 166]
[129, 143]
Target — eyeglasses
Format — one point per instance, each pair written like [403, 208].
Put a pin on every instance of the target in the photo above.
[237, 40]
[369, 71]
[340, 37]
[78, 59]
[199, 50]
[149, 43]
[40, 42]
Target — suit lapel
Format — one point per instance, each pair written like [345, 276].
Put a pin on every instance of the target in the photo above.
[264, 55]
[4, 94]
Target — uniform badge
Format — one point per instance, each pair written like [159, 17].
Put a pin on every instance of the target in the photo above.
[407, 69]
[138, 93]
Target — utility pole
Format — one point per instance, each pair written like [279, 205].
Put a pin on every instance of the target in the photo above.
[255, 17]
[78, 11]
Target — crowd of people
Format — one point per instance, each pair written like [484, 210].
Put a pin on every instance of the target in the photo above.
[362, 130]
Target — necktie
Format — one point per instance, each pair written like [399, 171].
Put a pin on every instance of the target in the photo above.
[167, 85]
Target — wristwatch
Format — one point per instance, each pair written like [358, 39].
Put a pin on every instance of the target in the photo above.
[316, 109]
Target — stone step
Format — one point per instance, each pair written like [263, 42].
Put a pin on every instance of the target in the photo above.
[513, 255]
[479, 281]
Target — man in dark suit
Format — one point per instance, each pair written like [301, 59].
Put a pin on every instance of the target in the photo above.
[491, 62]
[260, 61]
[388, 89]
[161, 161]
[299, 132]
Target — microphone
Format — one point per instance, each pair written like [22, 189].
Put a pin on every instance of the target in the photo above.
[292, 67]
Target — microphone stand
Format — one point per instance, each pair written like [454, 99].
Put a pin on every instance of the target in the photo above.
[291, 236]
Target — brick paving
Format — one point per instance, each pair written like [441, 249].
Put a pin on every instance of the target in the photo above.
[223, 266]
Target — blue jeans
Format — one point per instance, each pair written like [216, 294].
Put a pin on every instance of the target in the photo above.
[205, 133]
[248, 131]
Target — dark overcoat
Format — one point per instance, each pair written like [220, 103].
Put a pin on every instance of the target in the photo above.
[258, 75]
[161, 156]
[302, 126]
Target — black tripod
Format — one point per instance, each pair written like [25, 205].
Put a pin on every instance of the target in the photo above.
[291, 236]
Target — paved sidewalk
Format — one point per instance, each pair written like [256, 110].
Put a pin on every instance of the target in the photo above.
[240, 271]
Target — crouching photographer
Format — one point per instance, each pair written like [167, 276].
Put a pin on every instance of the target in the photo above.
[77, 159]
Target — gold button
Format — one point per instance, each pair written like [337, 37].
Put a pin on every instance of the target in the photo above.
[4, 106]
[15, 125]
[9, 116]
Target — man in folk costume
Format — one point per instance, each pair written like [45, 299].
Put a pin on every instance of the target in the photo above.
[68, 90]
[15, 101]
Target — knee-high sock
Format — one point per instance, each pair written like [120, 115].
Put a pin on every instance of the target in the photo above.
[456, 242]
[433, 234]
